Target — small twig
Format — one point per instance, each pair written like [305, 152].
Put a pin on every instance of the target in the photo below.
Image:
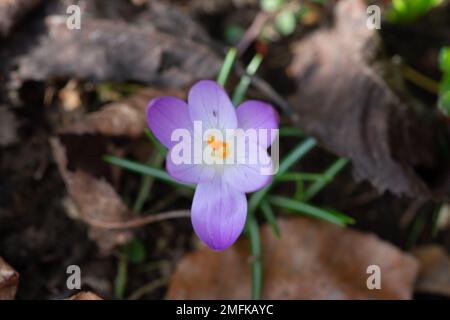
[267, 90]
[420, 79]
[411, 212]
[253, 31]
[138, 222]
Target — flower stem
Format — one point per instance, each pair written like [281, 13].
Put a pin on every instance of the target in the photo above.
[255, 247]
[241, 88]
[226, 67]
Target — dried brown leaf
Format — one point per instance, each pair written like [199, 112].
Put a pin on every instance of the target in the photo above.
[78, 150]
[343, 101]
[434, 275]
[9, 280]
[312, 260]
[142, 48]
[85, 295]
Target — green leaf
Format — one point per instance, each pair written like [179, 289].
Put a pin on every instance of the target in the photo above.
[120, 282]
[407, 11]
[285, 22]
[444, 59]
[444, 103]
[256, 265]
[241, 88]
[271, 5]
[309, 210]
[328, 176]
[291, 132]
[295, 155]
[226, 66]
[300, 176]
[233, 33]
[267, 212]
[161, 149]
[134, 250]
[144, 169]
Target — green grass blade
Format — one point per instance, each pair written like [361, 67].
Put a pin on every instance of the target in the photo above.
[147, 181]
[144, 169]
[161, 149]
[121, 277]
[309, 210]
[291, 132]
[241, 88]
[267, 212]
[295, 155]
[226, 67]
[328, 176]
[256, 265]
[299, 176]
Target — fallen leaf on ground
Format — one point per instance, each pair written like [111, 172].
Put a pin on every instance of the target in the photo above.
[158, 46]
[312, 260]
[85, 295]
[343, 101]
[434, 274]
[9, 280]
[78, 150]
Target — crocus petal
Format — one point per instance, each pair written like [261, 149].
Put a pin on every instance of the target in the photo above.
[251, 172]
[210, 104]
[166, 114]
[188, 172]
[218, 214]
[254, 114]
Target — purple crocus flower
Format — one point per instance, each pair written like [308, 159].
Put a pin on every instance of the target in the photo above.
[219, 207]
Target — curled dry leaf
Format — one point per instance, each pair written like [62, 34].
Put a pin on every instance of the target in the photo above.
[343, 101]
[312, 260]
[85, 295]
[434, 275]
[11, 11]
[9, 280]
[78, 150]
[158, 46]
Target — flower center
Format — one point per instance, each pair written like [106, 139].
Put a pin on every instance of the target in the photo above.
[219, 148]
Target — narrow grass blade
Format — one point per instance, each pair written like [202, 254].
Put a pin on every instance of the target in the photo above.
[256, 266]
[267, 212]
[307, 209]
[291, 132]
[147, 181]
[241, 88]
[328, 176]
[299, 152]
[299, 176]
[226, 67]
[144, 169]
[161, 149]
[121, 277]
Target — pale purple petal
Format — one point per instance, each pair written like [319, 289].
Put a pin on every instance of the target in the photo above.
[188, 172]
[252, 170]
[166, 114]
[218, 214]
[254, 114]
[210, 104]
